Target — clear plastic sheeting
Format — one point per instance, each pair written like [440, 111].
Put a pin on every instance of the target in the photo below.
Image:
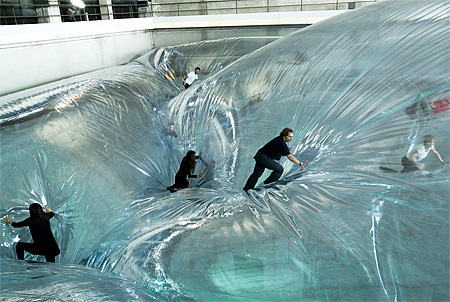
[37, 281]
[358, 90]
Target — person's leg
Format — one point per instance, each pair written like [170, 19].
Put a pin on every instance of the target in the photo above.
[50, 258]
[181, 182]
[253, 178]
[408, 165]
[20, 250]
[31, 248]
[277, 170]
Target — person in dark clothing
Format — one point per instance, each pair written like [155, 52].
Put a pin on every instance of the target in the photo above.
[170, 131]
[187, 169]
[267, 157]
[43, 241]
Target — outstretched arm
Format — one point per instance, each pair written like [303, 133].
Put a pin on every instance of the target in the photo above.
[20, 224]
[438, 156]
[296, 161]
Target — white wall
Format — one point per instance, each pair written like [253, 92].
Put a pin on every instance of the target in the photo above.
[32, 55]
[35, 54]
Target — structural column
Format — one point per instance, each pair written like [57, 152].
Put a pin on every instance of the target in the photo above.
[106, 9]
[53, 11]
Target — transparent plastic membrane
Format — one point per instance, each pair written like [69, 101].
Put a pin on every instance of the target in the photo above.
[357, 89]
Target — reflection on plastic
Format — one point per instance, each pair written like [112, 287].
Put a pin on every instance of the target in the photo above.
[96, 148]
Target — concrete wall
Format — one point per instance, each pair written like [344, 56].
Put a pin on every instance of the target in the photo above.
[200, 28]
[36, 54]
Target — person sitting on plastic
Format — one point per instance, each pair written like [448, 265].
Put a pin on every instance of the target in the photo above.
[191, 78]
[424, 107]
[43, 241]
[187, 169]
[440, 106]
[411, 161]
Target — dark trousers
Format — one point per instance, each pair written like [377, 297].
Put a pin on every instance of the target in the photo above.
[263, 162]
[408, 165]
[31, 248]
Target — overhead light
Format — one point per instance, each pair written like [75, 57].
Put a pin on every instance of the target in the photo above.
[78, 3]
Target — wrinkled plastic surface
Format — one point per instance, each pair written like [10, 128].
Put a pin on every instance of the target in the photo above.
[356, 90]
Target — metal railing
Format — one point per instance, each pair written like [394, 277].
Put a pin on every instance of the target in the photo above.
[39, 13]
[212, 7]
[17, 13]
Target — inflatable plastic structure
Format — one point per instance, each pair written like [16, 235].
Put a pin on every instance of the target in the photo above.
[357, 89]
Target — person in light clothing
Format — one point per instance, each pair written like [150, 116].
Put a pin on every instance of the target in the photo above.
[411, 161]
[191, 78]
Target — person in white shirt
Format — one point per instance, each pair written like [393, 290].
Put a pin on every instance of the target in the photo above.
[411, 161]
[191, 78]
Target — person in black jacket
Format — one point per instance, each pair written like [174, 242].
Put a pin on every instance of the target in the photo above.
[267, 157]
[43, 241]
[187, 169]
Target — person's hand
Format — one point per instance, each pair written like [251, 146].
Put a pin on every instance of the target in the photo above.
[302, 164]
[7, 219]
[47, 209]
[201, 174]
[200, 154]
